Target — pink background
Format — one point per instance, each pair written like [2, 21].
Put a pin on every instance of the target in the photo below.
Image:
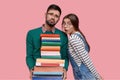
[99, 21]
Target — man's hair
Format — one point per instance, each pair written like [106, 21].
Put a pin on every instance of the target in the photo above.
[55, 7]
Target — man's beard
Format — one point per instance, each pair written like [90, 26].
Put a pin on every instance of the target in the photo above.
[50, 24]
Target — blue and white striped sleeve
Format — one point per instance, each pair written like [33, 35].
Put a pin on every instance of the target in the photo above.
[80, 51]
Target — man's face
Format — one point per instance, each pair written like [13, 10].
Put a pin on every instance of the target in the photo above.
[52, 17]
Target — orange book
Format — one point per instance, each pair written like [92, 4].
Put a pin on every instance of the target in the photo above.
[48, 69]
[60, 61]
[50, 48]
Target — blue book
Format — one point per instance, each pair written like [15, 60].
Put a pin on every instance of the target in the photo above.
[47, 73]
[46, 40]
[47, 78]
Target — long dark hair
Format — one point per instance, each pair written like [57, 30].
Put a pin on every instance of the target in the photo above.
[75, 22]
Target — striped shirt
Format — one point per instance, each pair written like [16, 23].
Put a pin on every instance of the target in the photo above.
[79, 54]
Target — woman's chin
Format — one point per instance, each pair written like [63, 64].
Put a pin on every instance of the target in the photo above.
[67, 32]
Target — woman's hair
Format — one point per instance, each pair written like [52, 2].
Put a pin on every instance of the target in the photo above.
[75, 22]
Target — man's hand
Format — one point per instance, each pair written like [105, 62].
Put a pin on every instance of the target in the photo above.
[65, 74]
[31, 71]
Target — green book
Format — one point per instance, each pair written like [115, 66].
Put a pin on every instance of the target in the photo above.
[51, 57]
[51, 43]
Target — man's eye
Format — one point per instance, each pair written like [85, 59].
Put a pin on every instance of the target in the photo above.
[50, 13]
[56, 16]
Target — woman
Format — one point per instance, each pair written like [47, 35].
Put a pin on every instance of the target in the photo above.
[82, 65]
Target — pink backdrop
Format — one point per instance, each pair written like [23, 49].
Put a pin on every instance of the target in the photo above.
[99, 21]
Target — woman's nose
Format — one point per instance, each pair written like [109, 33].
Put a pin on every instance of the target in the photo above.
[66, 26]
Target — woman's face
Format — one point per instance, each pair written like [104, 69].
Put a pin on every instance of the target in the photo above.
[67, 26]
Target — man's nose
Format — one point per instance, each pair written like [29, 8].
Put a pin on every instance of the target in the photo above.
[53, 16]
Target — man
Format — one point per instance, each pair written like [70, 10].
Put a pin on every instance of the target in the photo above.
[33, 43]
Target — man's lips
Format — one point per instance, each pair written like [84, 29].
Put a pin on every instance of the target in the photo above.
[66, 30]
[52, 21]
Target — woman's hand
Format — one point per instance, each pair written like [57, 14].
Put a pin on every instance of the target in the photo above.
[100, 77]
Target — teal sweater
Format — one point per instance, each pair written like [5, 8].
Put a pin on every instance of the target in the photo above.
[33, 46]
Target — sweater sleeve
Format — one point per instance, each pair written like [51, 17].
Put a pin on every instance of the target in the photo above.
[29, 51]
[64, 51]
[79, 48]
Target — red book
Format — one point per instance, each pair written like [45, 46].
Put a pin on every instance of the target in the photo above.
[49, 35]
[50, 64]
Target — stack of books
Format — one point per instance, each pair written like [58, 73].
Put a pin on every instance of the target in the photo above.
[50, 46]
[50, 65]
[48, 69]
[47, 73]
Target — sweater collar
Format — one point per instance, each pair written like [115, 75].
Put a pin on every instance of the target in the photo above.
[44, 29]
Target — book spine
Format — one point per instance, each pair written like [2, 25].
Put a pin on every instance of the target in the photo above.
[47, 73]
[50, 60]
[51, 57]
[51, 44]
[50, 53]
[49, 64]
[50, 48]
[50, 40]
[49, 35]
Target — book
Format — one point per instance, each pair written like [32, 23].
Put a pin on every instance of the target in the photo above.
[50, 43]
[48, 71]
[49, 35]
[50, 62]
[51, 57]
[47, 77]
[50, 48]
[50, 53]
[50, 38]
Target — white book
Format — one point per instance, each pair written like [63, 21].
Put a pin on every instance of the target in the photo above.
[40, 64]
[50, 53]
[51, 38]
